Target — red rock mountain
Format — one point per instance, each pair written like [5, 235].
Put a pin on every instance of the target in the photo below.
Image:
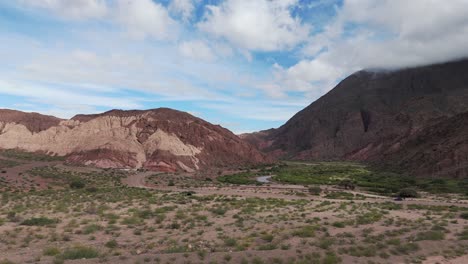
[414, 118]
[158, 139]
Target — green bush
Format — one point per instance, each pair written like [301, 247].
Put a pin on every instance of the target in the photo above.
[51, 251]
[80, 252]
[239, 178]
[431, 235]
[77, 184]
[306, 231]
[39, 221]
[89, 229]
[464, 215]
[112, 244]
[408, 193]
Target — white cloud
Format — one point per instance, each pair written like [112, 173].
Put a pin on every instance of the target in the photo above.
[76, 9]
[383, 34]
[56, 96]
[197, 50]
[145, 18]
[183, 8]
[256, 24]
[396, 33]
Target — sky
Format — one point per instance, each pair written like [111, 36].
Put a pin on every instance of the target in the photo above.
[247, 65]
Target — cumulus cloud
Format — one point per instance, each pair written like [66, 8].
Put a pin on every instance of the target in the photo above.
[145, 18]
[256, 25]
[77, 9]
[183, 8]
[197, 50]
[386, 34]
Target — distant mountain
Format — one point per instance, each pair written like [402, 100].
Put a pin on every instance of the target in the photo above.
[158, 139]
[413, 118]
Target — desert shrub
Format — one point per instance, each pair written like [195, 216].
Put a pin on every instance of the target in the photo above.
[171, 183]
[77, 184]
[464, 234]
[230, 242]
[331, 258]
[339, 224]
[80, 252]
[464, 215]
[368, 218]
[315, 190]
[39, 221]
[92, 189]
[406, 248]
[347, 184]
[306, 231]
[51, 251]
[112, 244]
[408, 193]
[431, 235]
[218, 210]
[89, 229]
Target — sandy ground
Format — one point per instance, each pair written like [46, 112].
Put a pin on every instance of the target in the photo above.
[270, 190]
[280, 191]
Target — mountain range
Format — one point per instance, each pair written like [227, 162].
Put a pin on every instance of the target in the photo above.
[413, 119]
[158, 139]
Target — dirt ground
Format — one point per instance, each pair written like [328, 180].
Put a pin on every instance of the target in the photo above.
[146, 217]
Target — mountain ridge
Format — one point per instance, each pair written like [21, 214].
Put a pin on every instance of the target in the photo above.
[370, 115]
[155, 139]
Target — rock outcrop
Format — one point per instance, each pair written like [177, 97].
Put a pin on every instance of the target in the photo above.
[383, 116]
[159, 139]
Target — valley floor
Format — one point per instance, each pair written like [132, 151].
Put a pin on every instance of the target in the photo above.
[54, 213]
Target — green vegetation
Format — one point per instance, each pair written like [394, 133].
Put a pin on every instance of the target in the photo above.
[349, 175]
[318, 173]
[185, 224]
[408, 193]
[77, 184]
[39, 221]
[79, 252]
[430, 235]
[8, 163]
[29, 156]
[51, 251]
[112, 244]
[239, 178]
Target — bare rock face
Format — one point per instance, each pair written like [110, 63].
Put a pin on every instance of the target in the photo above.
[32, 121]
[159, 139]
[375, 115]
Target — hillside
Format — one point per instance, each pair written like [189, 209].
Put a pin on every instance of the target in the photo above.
[158, 139]
[382, 116]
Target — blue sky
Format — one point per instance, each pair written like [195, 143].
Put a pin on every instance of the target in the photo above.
[247, 65]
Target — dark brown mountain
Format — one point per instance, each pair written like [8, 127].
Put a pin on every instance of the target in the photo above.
[398, 116]
[158, 139]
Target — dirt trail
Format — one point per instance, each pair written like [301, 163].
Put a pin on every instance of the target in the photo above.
[288, 192]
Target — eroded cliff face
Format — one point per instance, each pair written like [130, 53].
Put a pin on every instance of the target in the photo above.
[160, 139]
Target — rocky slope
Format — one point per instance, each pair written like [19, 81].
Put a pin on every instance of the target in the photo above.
[159, 139]
[378, 115]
